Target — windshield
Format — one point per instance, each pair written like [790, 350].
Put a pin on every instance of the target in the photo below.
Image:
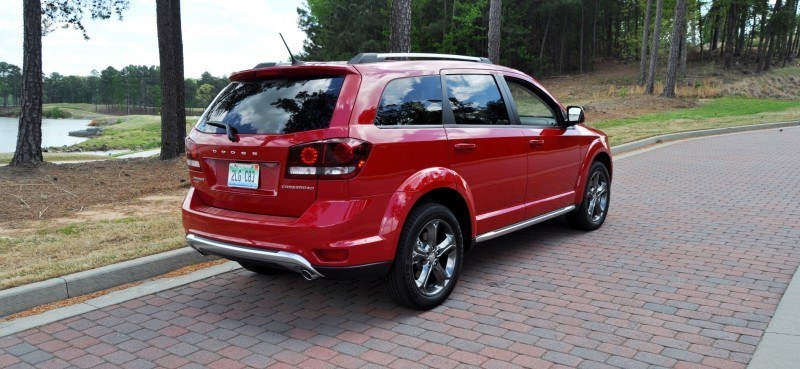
[274, 106]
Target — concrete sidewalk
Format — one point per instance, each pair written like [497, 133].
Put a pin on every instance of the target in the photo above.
[780, 345]
[141, 154]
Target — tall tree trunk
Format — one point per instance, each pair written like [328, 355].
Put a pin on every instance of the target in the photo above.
[544, 38]
[715, 29]
[797, 41]
[678, 27]
[400, 37]
[495, 10]
[580, 48]
[170, 52]
[29, 140]
[684, 54]
[594, 31]
[787, 57]
[444, 20]
[700, 28]
[751, 37]
[730, 33]
[609, 15]
[563, 47]
[724, 36]
[742, 27]
[651, 77]
[762, 36]
[643, 57]
[773, 38]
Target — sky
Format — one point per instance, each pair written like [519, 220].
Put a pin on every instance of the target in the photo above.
[218, 36]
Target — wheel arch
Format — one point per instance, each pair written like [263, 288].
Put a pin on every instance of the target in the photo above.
[605, 158]
[442, 185]
[597, 151]
[453, 200]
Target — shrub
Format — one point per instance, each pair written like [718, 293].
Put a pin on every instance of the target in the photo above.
[56, 113]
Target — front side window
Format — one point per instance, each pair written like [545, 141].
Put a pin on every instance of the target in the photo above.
[531, 108]
[274, 106]
[411, 101]
[476, 100]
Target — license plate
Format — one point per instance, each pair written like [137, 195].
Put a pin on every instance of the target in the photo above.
[243, 175]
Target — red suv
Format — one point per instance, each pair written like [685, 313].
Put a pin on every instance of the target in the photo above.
[386, 166]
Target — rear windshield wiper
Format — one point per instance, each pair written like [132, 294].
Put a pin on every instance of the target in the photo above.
[228, 129]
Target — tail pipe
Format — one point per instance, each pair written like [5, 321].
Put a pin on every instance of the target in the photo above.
[308, 275]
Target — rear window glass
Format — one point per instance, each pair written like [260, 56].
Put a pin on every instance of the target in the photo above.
[274, 106]
[411, 101]
[475, 99]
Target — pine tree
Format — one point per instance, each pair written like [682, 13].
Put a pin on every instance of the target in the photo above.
[678, 29]
[643, 57]
[400, 38]
[651, 77]
[170, 52]
[495, 11]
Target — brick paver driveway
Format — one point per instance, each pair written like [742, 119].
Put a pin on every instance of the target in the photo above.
[696, 253]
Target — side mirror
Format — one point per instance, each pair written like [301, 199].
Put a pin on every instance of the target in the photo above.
[575, 115]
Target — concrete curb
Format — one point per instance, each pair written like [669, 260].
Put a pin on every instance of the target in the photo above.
[636, 145]
[778, 346]
[21, 298]
[14, 300]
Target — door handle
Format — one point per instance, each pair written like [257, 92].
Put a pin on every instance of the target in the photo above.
[536, 143]
[465, 147]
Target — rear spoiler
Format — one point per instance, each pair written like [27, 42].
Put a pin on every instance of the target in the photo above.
[283, 71]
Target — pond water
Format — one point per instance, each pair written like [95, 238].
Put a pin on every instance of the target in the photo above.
[54, 132]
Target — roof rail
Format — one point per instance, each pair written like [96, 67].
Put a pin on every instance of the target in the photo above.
[365, 58]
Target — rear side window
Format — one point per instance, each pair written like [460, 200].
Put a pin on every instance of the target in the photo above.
[476, 100]
[274, 106]
[411, 101]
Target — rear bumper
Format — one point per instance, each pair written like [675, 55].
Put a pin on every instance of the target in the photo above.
[286, 260]
[297, 244]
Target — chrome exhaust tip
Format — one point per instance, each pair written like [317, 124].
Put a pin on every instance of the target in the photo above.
[308, 275]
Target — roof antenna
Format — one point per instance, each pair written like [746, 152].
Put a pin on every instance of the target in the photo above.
[294, 61]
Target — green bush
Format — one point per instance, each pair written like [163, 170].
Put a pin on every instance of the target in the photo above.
[56, 113]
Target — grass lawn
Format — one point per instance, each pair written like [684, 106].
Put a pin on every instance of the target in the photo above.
[135, 132]
[57, 249]
[716, 113]
[51, 157]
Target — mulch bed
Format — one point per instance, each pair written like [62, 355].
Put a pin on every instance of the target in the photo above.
[56, 190]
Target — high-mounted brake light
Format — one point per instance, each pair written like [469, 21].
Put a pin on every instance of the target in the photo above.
[192, 158]
[338, 158]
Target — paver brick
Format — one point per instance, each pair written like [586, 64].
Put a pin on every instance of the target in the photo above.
[671, 279]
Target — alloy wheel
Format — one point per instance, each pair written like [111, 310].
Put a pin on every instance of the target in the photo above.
[597, 195]
[433, 257]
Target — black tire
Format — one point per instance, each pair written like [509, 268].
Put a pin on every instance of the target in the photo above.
[263, 270]
[402, 280]
[582, 218]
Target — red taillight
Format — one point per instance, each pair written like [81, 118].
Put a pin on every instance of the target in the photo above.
[338, 158]
[192, 158]
[309, 155]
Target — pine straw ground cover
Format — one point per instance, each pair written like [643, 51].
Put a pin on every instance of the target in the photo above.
[61, 219]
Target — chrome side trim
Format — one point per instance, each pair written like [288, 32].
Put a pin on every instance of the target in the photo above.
[525, 223]
[288, 260]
